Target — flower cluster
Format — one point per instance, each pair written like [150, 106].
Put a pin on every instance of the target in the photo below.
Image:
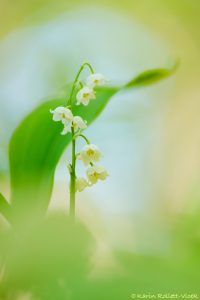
[90, 154]
[64, 115]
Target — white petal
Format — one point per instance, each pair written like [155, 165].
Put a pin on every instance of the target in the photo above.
[90, 153]
[102, 172]
[95, 173]
[91, 175]
[66, 129]
[85, 95]
[85, 159]
[85, 101]
[79, 123]
[62, 114]
[68, 114]
[96, 80]
[81, 184]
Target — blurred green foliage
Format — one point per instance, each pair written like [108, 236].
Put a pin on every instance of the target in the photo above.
[48, 256]
[53, 258]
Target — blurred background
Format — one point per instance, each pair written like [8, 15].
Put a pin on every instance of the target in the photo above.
[150, 137]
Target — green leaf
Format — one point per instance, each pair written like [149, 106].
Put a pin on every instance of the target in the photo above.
[151, 76]
[37, 145]
[5, 208]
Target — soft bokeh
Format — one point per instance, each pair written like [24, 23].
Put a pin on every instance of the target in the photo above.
[150, 137]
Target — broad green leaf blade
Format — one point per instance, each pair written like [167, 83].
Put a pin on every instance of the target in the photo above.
[36, 147]
[151, 76]
[5, 208]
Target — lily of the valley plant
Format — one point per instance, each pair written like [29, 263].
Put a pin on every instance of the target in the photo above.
[74, 125]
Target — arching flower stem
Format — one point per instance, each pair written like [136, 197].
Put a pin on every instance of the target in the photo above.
[84, 137]
[76, 79]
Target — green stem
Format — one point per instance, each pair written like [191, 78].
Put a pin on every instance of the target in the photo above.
[73, 165]
[73, 178]
[90, 67]
[76, 79]
[84, 137]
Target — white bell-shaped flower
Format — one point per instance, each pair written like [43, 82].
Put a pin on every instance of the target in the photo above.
[89, 153]
[95, 173]
[65, 116]
[62, 114]
[79, 123]
[96, 80]
[85, 95]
